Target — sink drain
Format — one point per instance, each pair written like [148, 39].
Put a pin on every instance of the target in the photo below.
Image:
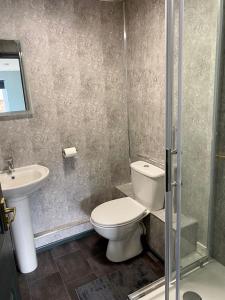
[191, 296]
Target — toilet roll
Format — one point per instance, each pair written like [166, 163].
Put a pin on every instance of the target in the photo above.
[69, 152]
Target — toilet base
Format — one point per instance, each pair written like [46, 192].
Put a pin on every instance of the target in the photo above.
[118, 251]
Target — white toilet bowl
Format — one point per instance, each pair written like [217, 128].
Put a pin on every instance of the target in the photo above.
[119, 221]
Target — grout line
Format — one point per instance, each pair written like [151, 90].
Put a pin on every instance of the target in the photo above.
[26, 284]
[64, 284]
[61, 256]
[30, 281]
[41, 278]
[29, 291]
[65, 254]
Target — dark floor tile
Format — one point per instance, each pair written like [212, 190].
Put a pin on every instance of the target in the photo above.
[149, 260]
[49, 288]
[100, 265]
[93, 245]
[139, 272]
[65, 249]
[99, 289]
[63, 270]
[132, 276]
[73, 266]
[154, 263]
[72, 285]
[46, 266]
[23, 287]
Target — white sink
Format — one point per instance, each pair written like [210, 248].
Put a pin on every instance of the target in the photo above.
[23, 181]
[16, 188]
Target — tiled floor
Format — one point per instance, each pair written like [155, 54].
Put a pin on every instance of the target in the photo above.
[69, 266]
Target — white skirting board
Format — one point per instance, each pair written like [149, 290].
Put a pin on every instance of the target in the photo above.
[60, 233]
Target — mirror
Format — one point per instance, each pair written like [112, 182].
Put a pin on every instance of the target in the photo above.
[13, 95]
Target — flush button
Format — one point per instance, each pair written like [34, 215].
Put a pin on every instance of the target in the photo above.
[146, 166]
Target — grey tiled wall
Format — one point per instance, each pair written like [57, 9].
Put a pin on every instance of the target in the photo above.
[74, 65]
[200, 36]
[146, 85]
[146, 82]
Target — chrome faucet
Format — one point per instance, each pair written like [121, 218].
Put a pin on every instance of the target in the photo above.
[10, 164]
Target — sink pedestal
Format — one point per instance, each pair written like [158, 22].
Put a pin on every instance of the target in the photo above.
[16, 187]
[22, 234]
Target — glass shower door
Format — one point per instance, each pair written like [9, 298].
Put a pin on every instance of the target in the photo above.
[199, 23]
[193, 28]
[173, 107]
[192, 41]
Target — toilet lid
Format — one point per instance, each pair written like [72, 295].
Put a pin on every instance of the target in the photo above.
[118, 212]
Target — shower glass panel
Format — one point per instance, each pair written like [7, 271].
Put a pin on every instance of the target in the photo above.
[192, 58]
[195, 210]
[198, 115]
[172, 143]
[199, 81]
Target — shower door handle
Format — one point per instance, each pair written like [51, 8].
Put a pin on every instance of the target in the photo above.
[168, 170]
[169, 183]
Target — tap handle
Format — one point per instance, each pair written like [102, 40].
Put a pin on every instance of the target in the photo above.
[9, 160]
[10, 163]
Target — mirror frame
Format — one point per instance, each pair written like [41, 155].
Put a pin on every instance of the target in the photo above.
[28, 113]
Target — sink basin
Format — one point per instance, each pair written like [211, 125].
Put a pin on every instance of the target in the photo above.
[16, 189]
[23, 181]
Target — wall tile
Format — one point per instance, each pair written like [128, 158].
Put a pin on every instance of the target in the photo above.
[199, 70]
[146, 68]
[76, 96]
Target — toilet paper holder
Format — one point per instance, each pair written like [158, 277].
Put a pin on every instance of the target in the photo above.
[69, 152]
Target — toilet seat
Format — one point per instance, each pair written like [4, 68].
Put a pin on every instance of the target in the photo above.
[118, 212]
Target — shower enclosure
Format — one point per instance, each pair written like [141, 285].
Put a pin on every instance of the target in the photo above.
[195, 154]
[194, 265]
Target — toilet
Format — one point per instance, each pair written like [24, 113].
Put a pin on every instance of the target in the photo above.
[120, 220]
